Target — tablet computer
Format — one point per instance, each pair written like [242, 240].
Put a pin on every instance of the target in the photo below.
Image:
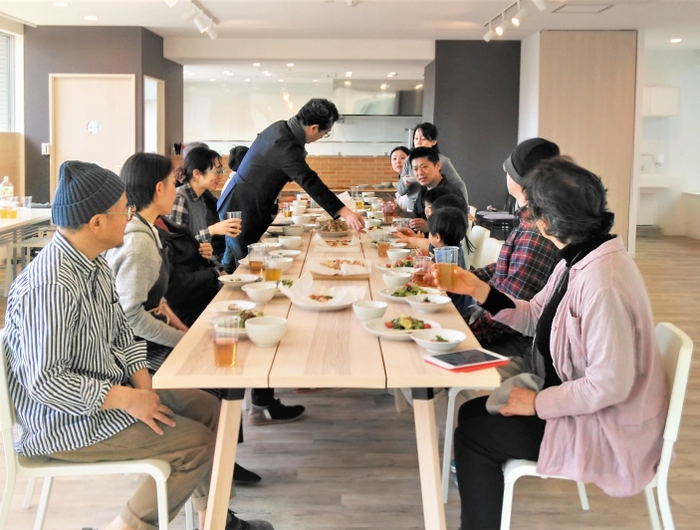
[467, 360]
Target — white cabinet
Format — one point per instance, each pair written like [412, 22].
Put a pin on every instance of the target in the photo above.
[661, 101]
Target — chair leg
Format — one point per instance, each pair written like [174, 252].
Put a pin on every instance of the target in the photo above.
[651, 507]
[162, 496]
[507, 505]
[189, 515]
[28, 494]
[583, 496]
[447, 446]
[665, 505]
[43, 503]
[7, 497]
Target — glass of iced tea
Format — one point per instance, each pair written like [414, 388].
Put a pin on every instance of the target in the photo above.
[389, 210]
[382, 244]
[447, 259]
[256, 255]
[225, 335]
[421, 267]
[273, 269]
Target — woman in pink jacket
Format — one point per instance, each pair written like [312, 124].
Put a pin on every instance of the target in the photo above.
[600, 413]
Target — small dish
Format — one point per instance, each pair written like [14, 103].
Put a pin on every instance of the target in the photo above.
[388, 294]
[396, 254]
[284, 253]
[434, 304]
[430, 339]
[292, 230]
[290, 242]
[238, 280]
[260, 293]
[396, 279]
[377, 326]
[368, 309]
[230, 307]
[266, 332]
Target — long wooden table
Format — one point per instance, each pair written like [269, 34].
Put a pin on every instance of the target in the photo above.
[321, 350]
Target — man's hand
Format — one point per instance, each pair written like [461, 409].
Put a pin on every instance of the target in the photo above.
[144, 405]
[521, 402]
[206, 250]
[353, 220]
[227, 227]
[419, 224]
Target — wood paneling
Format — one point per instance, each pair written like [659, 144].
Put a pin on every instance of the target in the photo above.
[586, 106]
[10, 159]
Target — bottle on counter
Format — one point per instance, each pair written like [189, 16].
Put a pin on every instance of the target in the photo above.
[7, 191]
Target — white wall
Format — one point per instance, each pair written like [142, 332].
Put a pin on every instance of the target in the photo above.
[677, 138]
[226, 114]
[528, 120]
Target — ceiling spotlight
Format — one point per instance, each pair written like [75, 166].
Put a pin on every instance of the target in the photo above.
[191, 12]
[212, 79]
[540, 4]
[676, 41]
[347, 83]
[500, 28]
[61, 4]
[281, 80]
[91, 18]
[247, 80]
[490, 34]
[348, 74]
[519, 16]
[383, 86]
[202, 22]
[418, 87]
[290, 64]
[315, 80]
[391, 74]
[213, 34]
[171, 3]
[256, 64]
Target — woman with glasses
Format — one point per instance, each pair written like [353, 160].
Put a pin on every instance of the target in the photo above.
[195, 205]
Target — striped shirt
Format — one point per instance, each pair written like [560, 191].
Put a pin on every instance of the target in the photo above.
[67, 343]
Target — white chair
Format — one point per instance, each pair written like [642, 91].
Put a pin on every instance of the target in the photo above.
[39, 467]
[489, 252]
[476, 238]
[24, 247]
[677, 350]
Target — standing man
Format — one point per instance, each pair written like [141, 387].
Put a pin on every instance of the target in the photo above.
[526, 260]
[78, 379]
[277, 157]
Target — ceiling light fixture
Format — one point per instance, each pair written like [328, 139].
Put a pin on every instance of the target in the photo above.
[540, 4]
[490, 34]
[418, 87]
[247, 80]
[383, 86]
[212, 79]
[290, 64]
[500, 29]
[676, 41]
[213, 34]
[203, 22]
[256, 64]
[348, 74]
[391, 74]
[519, 16]
[171, 3]
[315, 80]
[192, 11]
[91, 18]
[61, 4]
[347, 83]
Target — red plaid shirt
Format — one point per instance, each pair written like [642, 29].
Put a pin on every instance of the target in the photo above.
[523, 267]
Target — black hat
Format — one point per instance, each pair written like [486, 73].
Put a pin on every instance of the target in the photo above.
[83, 190]
[527, 156]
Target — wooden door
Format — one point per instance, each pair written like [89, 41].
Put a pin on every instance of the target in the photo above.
[93, 118]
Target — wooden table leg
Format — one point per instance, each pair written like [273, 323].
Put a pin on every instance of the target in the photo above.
[428, 460]
[224, 460]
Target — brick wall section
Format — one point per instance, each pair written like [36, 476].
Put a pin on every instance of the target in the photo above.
[340, 172]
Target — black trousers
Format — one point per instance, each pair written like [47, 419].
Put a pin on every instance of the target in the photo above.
[483, 443]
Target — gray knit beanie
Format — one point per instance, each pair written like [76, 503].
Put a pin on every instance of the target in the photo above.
[83, 191]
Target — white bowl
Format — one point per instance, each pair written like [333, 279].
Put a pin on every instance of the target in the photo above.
[309, 226]
[300, 202]
[396, 279]
[375, 215]
[238, 280]
[436, 303]
[298, 210]
[230, 307]
[367, 193]
[260, 293]
[303, 196]
[290, 242]
[283, 253]
[386, 184]
[270, 240]
[362, 186]
[398, 244]
[292, 230]
[425, 338]
[301, 219]
[368, 309]
[285, 264]
[266, 332]
[395, 254]
[373, 223]
[271, 246]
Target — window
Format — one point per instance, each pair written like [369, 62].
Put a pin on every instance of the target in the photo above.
[6, 83]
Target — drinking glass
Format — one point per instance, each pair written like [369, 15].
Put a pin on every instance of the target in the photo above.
[234, 215]
[225, 334]
[256, 255]
[273, 269]
[27, 201]
[382, 244]
[12, 208]
[389, 210]
[421, 267]
[447, 259]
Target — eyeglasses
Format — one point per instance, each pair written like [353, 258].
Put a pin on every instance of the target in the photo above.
[219, 171]
[327, 134]
[130, 212]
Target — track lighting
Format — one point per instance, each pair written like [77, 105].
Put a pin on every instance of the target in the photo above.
[519, 16]
[489, 34]
[191, 12]
[213, 34]
[203, 22]
[502, 26]
[540, 4]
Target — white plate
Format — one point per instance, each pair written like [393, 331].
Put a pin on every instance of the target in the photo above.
[282, 252]
[386, 293]
[333, 234]
[376, 327]
[387, 267]
[223, 307]
[238, 280]
[321, 306]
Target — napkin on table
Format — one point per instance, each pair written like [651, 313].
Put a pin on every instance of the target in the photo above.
[304, 286]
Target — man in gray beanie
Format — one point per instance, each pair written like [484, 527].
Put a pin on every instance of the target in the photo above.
[78, 379]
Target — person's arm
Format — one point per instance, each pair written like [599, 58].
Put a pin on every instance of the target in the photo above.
[604, 339]
[485, 273]
[142, 404]
[403, 186]
[136, 270]
[180, 213]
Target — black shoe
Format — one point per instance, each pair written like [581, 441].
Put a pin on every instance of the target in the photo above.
[234, 523]
[275, 413]
[244, 477]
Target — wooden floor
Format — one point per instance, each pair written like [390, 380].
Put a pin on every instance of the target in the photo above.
[351, 463]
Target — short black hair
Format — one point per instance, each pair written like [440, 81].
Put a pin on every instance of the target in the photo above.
[141, 174]
[401, 148]
[450, 224]
[570, 199]
[235, 156]
[424, 152]
[431, 196]
[200, 158]
[429, 132]
[450, 200]
[319, 112]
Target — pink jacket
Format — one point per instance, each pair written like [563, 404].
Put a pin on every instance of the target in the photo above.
[605, 421]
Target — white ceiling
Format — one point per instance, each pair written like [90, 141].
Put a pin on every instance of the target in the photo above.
[432, 20]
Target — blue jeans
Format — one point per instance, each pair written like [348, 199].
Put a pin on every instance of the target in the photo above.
[234, 252]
